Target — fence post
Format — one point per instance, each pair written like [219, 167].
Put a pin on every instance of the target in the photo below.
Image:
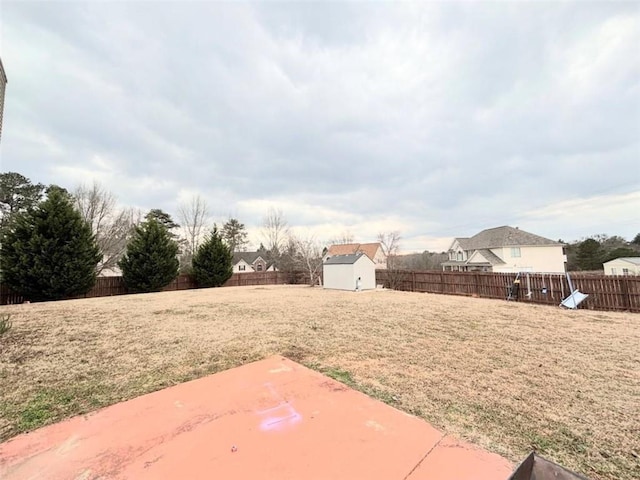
[413, 281]
[476, 284]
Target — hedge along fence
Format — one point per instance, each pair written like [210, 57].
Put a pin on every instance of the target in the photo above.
[109, 286]
[617, 293]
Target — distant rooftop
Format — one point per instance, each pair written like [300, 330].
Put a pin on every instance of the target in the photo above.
[503, 237]
[634, 260]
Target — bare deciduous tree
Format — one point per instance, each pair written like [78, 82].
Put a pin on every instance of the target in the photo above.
[111, 225]
[275, 231]
[309, 257]
[194, 217]
[390, 244]
[344, 238]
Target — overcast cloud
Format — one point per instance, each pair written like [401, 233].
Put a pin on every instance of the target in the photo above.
[435, 119]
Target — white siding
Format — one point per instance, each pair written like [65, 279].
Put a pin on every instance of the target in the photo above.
[617, 267]
[547, 259]
[364, 268]
[242, 267]
[380, 260]
[344, 277]
[339, 277]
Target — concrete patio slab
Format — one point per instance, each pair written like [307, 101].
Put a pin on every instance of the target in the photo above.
[272, 419]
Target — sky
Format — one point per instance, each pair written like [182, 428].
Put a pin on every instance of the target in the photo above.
[434, 119]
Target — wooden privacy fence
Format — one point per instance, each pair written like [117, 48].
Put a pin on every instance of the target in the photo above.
[108, 286]
[621, 293]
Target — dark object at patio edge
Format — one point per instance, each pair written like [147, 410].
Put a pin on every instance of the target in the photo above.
[535, 467]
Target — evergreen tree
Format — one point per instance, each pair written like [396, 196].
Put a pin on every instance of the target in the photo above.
[17, 194]
[163, 218]
[49, 252]
[619, 252]
[235, 234]
[150, 261]
[589, 255]
[212, 264]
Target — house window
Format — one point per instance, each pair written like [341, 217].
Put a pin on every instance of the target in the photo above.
[460, 256]
[259, 267]
[613, 271]
[625, 271]
[241, 268]
[515, 252]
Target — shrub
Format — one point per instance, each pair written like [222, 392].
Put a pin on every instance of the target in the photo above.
[49, 252]
[150, 262]
[212, 264]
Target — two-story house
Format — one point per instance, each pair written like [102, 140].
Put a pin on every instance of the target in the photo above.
[506, 249]
[371, 250]
[244, 262]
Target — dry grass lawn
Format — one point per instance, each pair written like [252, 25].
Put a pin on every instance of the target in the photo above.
[507, 376]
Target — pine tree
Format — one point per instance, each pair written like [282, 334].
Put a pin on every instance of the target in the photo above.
[212, 264]
[49, 253]
[235, 235]
[590, 255]
[150, 262]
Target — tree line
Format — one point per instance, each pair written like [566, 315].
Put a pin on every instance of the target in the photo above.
[54, 243]
[590, 253]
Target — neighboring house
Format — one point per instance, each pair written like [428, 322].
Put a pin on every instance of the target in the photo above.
[245, 262]
[353, 272]
[622, 266]
[506, 249]
[3, 85]
[371, 250]
[111, 272]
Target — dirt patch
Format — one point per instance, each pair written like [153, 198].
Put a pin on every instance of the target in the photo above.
[507, 376]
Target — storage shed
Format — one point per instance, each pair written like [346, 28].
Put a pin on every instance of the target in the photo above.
[349, 272]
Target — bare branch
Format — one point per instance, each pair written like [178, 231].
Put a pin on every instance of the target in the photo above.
[344, 238]
[193, 216]
[309, 257]
[275, 231]
[110, 225]
[390, 244]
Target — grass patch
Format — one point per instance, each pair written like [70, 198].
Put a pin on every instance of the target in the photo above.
[509, 377]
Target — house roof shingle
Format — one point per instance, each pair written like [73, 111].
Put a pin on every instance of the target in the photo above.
[369, 249]
[491, 257]
[248, 257]
[504, 237]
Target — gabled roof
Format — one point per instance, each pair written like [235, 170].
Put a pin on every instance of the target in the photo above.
[491, 257]
[248, 257]
[369, 249]
[3, 75]
[344, 259]
[633, 260]
[504, 237]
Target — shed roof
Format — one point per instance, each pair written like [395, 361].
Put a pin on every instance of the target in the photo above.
[344, 259]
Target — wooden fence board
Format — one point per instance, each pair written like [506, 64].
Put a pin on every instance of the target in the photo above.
[108, 286]
[615, 293]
